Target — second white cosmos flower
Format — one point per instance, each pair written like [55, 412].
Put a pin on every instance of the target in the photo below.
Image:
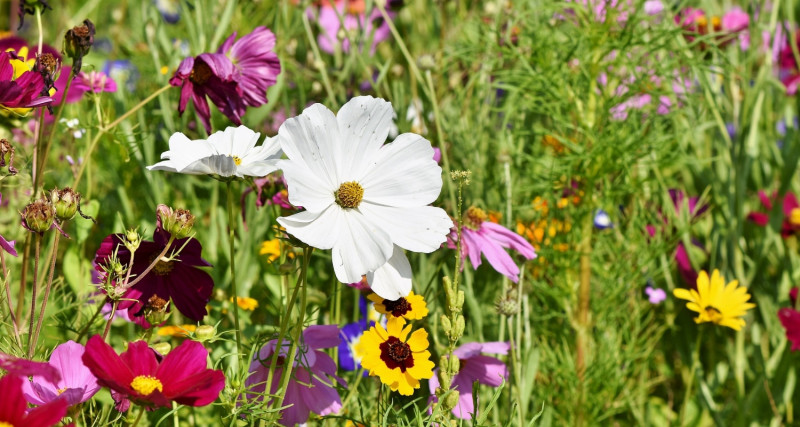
[364, 200]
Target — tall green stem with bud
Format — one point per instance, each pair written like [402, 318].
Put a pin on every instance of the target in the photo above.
[231, 238]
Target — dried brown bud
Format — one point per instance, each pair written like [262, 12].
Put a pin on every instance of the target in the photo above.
[38, 216]
[7, 156]
[178, 222]
[77, 43]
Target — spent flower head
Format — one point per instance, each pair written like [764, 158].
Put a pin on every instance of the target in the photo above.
[77, 43]
[38, 216]
[177, 222]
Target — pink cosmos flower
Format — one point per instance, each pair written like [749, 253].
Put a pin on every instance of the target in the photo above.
[479, 236]
[22, 91]
[790, 222]
[256, 62]
[77, 383]
[789, 69]
[94, 81]
[180, 280]
[354, 16]
[14, 409]
[144, 378]
[486, 370]
[310, 389]
[210, 75]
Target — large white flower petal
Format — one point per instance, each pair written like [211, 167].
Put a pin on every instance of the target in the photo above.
[320, 230]
[364, 124]
[392, 280]
[244, 140]
[306, 188]
[403, 174]
[260, 161]
[312, 139]
[360, 248]
[183, 151]
[166, 165]
[219, 164]
[418, 229]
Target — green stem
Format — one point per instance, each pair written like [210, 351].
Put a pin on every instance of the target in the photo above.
[88, 325]
[47, 289]
[33, 294]
[8, 299]
[231, 238]
[42, 162]
[692, 372]
[138, 417]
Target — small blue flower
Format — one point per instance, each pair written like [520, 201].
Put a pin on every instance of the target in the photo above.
[170, 10]
[123, 72]
[602, 220]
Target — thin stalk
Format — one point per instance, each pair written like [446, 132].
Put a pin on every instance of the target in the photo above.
[39, 26]
[287, 369]
[692, 372]
[112, 125]
[318, 59]
[43, 160]
[584, 296]
[152, 264]
[33, 293]
[107, 329]
[8, 299]
[231, 243]
[88, 325]
[47, 289]
[23, 275]
[138, 417]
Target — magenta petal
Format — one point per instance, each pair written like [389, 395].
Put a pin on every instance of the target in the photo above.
[140, 358]
[25, 368]
[759, 218]
[198, 390]
[297, 412]
[789, 203]
[790, 319]
[321, 336]
[321, 398]
[485, 369]
[186, 360]
[509, 239]
[468, 350]
[465, 407]
[106, 365]
[471, 242]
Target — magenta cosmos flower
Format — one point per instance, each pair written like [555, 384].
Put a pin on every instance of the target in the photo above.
[790, 221]
[141, 376]
[479, 236]
[93, 81]
[20, 89]
[178, 280]
[310, 389]
[366, 27]
[26, 53]
[255, 61]
[790, 319]
[77, 383]
[486, 370]
[14, 408]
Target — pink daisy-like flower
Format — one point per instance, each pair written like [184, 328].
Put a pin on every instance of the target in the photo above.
[144, 378]
[77, 383]
[479, 236]
[255, 60]
[14, 408]
[475, 366]
[310, 389]
[178, 279]
[354, 16]
[93, 81]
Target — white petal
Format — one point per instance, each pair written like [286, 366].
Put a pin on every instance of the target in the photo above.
[364, 123]
[257, 169]
[392, 280]
[417, 229]
[166, 165]
[306, 188]
[403, 174]
[219, 164]
[243, 141]
[361, 246]
[312, 139]
[319, 230]
[183, 151]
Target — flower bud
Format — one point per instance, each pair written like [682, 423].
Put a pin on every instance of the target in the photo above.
[178, 222]
[65, 203]
[77, 43]
[451, 400]
[205, 333]
[162, 348]
[38, 216]
[446, 326]
[426, 62]
[7, 156]
[132, 239]
[506, 306]
[155, 310]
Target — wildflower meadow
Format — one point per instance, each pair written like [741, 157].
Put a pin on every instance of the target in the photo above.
[399, 213]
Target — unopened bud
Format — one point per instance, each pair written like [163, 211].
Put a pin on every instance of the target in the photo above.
[132, 240]
[426, 62]
[7, 156]
[455, 365]
[458, 330]
[178, 222]
[38, 216]
[450, 401]
[506, 306]
[77, 43]
[162, 348]
[65, 202]
[446, 325]
[205, 332]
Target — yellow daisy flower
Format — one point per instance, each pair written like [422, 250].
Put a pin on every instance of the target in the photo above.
[246, 303]
[176, 331]
[411, 307]
[272, 249]
[398, 360]
[716, 302]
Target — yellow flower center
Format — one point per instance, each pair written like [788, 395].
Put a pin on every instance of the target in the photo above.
[61, 390]
[237, 160]
[6, 424]
[474, 217]
[794, 217]
[145, 384]
[713, 313]
[349, 195]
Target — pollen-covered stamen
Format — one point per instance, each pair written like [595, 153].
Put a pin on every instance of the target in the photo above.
[349, 195]
[146, 384]
[201, 72]
[396, 354]
[237, 160]
[474, 217]
[398, 307]
[61, 390]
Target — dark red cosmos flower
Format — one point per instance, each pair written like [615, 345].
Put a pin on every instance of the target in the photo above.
[790, 223]
[14, 408]
[189, 287]
[258, 65]
[138, 374]
[215, 76]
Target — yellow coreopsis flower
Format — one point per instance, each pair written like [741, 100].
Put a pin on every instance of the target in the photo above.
[410, 307]
[246, 303]
[717, 302]
[398, 360]
[176, 331]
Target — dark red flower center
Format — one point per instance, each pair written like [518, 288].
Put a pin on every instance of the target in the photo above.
[396, 354]
[162, 268]
[201, 72]
[398, 308]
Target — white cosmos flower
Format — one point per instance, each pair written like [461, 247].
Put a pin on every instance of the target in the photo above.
[231, 152]
[364, 200]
